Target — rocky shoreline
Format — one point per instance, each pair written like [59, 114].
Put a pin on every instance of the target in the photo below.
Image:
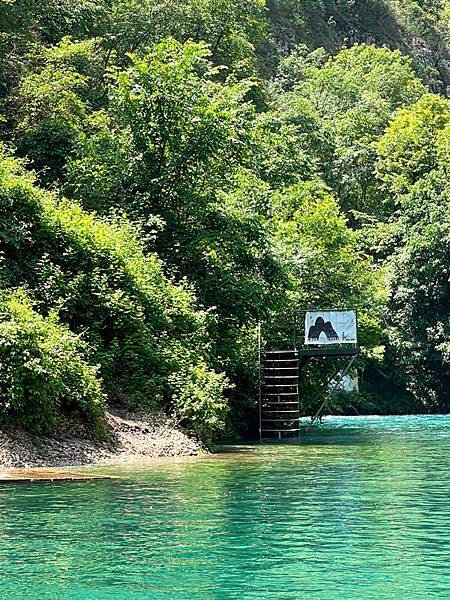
[132, 437]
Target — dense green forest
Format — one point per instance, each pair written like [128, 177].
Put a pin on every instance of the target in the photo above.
[173, 173]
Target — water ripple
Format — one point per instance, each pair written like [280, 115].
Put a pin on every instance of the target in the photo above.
[358, 509]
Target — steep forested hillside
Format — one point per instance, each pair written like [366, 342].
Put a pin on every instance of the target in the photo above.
[419, 29]
[172, 173]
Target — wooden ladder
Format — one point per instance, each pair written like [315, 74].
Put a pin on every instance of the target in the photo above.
[279, 394]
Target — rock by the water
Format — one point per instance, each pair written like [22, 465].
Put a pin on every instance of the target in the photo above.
[132, 437]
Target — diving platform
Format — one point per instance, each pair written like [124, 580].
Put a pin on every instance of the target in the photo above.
[328, 333]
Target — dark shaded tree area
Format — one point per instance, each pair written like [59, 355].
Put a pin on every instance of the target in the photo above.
[173, 173]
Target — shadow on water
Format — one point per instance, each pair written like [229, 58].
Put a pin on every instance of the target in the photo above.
[333, 431]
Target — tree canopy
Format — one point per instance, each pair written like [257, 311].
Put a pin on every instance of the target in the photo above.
[174, 173]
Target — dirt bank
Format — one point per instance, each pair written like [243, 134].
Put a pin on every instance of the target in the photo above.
[132, 437]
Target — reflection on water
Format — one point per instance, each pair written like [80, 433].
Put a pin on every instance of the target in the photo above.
[359, 508]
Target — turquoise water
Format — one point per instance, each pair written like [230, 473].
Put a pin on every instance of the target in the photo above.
[360, 509]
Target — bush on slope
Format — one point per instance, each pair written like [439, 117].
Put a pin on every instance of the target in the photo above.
[146, 333]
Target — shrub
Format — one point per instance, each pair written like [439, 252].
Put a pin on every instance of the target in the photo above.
[198, 400]
[43, 369]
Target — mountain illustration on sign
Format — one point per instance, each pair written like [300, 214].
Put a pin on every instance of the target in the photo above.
[321, 326]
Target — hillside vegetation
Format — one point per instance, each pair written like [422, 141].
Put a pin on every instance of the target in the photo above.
[173, 173]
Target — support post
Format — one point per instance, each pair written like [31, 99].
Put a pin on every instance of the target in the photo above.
[336, 383]
[259, 382]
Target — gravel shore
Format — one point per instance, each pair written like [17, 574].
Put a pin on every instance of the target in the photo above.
[133, 437]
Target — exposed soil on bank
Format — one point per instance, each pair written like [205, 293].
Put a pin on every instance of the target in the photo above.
[132, 437]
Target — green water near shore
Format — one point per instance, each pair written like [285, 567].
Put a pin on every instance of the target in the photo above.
[359, 509]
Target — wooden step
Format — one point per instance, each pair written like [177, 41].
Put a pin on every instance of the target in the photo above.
[272, 377]
[278, 403]
[285, 421]
[280, 430]
[275, 385]
[278, 368]
[279, 357]
[284, 362]
[278, 412]
[280, 385]
[281, 394]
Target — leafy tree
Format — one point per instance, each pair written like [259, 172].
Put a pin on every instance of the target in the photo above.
[419, 313]
[26, 26]
[52, 104]
[174, 138]
[409, 149]
[355, 94]
[326, 268]
[233, 30]
[325, 265]
[172, 153]
[291, 142]
[413, 165]
[171, 136]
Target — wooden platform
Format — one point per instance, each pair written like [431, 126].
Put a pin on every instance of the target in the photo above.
[323, 351]
[34, 475]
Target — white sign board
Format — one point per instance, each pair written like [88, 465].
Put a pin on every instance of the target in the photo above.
[325, 327]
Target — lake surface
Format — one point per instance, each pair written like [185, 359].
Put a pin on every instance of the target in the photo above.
[358, 509]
